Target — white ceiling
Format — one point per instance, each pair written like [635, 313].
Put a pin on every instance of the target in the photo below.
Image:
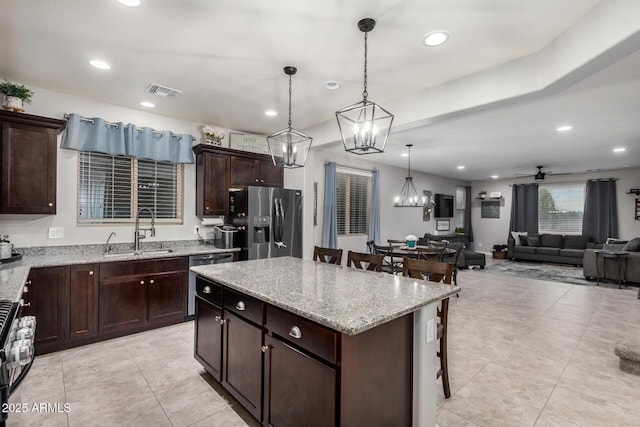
[227, 58]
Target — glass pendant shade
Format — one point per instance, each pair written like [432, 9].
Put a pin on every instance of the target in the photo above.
[408, 196]
[289, 147]
[364, 126]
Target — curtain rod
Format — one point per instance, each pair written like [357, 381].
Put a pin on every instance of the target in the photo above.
[153, 131]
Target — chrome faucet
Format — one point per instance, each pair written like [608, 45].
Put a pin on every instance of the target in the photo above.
[137, 236]
[108, 248]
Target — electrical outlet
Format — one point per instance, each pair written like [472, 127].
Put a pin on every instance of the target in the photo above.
[56, 232]
[431, 331]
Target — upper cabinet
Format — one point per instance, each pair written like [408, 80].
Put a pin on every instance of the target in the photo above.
[28, 163]
[217, 169]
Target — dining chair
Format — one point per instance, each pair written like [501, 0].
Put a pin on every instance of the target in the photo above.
[437, 249]
[389, 264]
[453, 258]
[371, 261]
[327, 255]
[394, 242]
[435, 271]
[370, 246]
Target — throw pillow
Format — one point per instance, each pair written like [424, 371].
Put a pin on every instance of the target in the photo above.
[533, 241]
[551, 240]
[575, 242]
[633, 245]
[517, 236]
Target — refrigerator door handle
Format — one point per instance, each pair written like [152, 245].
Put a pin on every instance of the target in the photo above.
[279, 224]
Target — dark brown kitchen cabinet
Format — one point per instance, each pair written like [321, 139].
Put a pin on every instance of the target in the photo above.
[212, 184]
[83, 294]
[218, 169]
[291, 377]
[28, 163]
[46, 300]
[208, 337]
[137, 295]
[242, 362]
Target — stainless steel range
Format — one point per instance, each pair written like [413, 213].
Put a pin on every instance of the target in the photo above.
[16, 353]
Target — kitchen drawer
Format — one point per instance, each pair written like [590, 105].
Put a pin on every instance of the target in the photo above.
[209, 291]
[143, 267]
[243, 305]
[302, 332]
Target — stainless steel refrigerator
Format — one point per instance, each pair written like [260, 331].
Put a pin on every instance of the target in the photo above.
[269, 220]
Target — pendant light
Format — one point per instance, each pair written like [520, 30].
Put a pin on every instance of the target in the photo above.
[364, 126]
[408, 195]
[289, 147]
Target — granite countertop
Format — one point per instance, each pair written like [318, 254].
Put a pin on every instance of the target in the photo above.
[14, 275]
[345, 299]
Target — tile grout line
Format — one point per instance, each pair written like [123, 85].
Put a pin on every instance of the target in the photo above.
[64, 389]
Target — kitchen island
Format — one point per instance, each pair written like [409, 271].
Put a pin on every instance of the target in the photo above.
[303, 343]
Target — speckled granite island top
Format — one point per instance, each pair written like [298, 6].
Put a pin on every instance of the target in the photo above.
[345, 299]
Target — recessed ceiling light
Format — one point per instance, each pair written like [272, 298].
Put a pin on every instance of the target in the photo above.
[564, 128]
[331, 85]
[270, 113]
[494, 177]
[100, 64]
[435, 38]
[619, 150]
[460, 167]
[147, 104]
[404, 155]
[130, 3]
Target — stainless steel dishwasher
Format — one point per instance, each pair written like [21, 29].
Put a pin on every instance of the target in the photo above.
[202, 259]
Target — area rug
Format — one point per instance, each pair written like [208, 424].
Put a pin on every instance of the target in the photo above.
[541, 271]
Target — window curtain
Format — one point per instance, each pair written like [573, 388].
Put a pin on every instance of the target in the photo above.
[374, 212]
[600, 219]
[330, 215]
[119, 139]
[467, 218]
[524, 208]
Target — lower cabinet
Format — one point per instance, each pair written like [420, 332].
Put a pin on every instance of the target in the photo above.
[291, 378]
[46, 299]
[208, 337]
[83, 298]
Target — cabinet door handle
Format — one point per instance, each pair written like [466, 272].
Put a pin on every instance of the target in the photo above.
[264, 348]
[28, 282]
[151, 281]
[240, 306]
[25, 290]
[223, 321]
[50, 204]
[256, 179]
[218, 318]
[295, 332]
[206, 208]
[90, 272]
[142, 282]
[262, 180]
[206, 290]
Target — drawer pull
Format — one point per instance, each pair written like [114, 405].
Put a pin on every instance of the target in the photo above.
[151, 281]
[240, 306]
[295, 332]
[142, 282]
[26, 290]
[264, 348]
[90, 272]
[218, 318]
[206, 290]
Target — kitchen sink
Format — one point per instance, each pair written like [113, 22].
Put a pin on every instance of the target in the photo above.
[133, 253]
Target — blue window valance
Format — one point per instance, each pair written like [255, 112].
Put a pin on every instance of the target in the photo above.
[119, 139]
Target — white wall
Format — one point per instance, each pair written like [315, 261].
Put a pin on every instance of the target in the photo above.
[395, 223]
[32, 230]
[489, 231]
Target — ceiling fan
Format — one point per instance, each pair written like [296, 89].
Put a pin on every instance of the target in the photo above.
[539, 176]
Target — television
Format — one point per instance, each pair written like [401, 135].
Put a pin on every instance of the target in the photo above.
[444, 206]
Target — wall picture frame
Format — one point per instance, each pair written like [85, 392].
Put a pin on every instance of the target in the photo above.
[490, 209]
[442, 225]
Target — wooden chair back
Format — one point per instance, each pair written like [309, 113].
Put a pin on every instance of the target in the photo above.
[371, 246]
[393, 242]
[371, 261]
[434, 271]
[327, 255]
[389, 264]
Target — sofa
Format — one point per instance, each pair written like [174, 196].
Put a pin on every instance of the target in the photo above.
[633, 263]
[564, 249]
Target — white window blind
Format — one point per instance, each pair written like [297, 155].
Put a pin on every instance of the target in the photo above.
[353, 203]
[112, 188]
[561, 208]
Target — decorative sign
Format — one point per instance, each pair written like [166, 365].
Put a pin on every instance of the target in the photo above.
[490, 209]
[247, 142]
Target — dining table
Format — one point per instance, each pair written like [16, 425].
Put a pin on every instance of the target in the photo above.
[427, 252]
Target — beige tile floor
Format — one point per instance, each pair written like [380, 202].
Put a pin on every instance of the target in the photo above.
[521, 353]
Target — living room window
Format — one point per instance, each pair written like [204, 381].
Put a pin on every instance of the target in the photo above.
[560, 208]
[112, 188]
[353, 204]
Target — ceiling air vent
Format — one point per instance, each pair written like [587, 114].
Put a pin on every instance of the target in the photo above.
[162, 91]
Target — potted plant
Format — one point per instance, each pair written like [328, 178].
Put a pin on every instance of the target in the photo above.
[213, 135]
[482, 194]
[15, 96]
[459, 230]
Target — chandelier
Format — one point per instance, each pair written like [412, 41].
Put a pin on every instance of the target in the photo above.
[408, 195]
[289, 147]
[364, 126]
